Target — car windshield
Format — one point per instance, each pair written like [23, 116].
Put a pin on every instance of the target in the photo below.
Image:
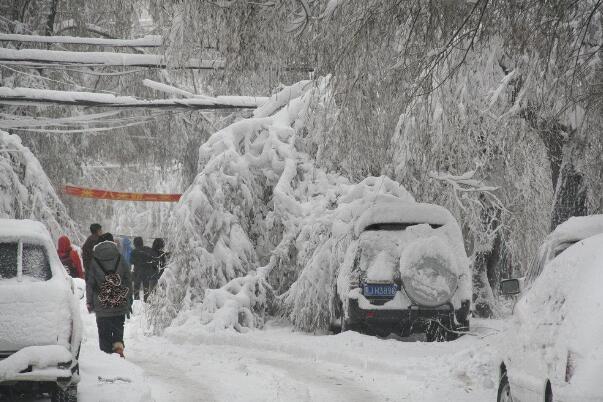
[545, 254]
[8, 260]
[35, 265]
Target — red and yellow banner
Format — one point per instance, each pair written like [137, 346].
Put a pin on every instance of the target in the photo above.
[119, 196]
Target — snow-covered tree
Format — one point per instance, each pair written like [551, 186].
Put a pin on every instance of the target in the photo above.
[26, 192]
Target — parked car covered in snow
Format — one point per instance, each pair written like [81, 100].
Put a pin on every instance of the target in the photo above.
[570, 232]
[407, 271]
[555, 352]
[40, 323]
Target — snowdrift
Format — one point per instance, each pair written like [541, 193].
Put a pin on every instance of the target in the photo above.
[263, 229]
[26, 192]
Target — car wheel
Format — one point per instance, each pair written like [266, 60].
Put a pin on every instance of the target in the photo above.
[504, 390]
[68, 394]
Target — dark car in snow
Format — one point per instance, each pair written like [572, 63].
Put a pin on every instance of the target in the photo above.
[406, 272]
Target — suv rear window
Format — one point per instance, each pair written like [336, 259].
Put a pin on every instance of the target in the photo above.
[34, 263]
[398, 226]
[8, 260]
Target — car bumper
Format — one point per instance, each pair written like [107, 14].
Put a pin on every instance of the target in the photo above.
[414, 317]
[41, 375]
[39, 364]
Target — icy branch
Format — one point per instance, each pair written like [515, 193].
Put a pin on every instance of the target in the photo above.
[146, 41]
[465, 183]
[158, 86]
[26, 56]
[23, 96]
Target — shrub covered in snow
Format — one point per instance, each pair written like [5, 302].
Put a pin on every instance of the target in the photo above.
[25, 191]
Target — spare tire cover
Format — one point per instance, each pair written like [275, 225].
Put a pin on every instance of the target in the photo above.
[428, 272]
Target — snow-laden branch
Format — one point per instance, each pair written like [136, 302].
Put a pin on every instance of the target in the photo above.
[146, 41]
[26, 56]
[170, 89]
[158, 86]
[466, 183]
[31, 96]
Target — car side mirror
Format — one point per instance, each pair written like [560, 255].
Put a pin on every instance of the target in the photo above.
[510, 287]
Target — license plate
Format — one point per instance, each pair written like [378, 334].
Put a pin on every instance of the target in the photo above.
[380, 290]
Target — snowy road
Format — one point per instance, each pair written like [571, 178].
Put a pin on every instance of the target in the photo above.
[277, 364]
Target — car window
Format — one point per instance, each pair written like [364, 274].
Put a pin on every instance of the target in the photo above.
[545, 254]
[537, 265]
[8, 260]
[562, 247]
[35, 262]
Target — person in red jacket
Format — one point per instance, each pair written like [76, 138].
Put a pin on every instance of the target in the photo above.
[70, 258]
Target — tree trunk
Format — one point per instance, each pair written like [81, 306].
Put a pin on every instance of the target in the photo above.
[487, 265]
[570, 195]
[562, 148]
[51, 17]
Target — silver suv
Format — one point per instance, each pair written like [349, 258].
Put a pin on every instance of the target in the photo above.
[40, 323]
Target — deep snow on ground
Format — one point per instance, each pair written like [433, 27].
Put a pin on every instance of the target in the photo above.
[279, 364]
[107, 378]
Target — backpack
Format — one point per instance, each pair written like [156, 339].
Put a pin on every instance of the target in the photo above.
[111, 294]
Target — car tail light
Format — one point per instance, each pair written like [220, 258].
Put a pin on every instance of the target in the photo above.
[570, 366]
[370, 314]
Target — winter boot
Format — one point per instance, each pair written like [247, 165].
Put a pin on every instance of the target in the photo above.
[118, 347]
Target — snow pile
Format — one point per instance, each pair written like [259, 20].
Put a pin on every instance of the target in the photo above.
[26, 193]
[238, 305]
[260, 201]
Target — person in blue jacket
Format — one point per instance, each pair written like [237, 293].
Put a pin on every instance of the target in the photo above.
[126, 249]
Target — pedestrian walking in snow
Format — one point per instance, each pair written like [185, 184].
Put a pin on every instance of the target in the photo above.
[108, 294]
[144, 268]
[125, 248]
[70, 258]
[95, 232]
[160, 257]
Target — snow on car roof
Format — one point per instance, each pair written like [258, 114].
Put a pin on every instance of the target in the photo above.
[392, 210]
[23, 228]
[577, 228]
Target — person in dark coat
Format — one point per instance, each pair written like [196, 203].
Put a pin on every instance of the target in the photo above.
[160, 257]
[144, 268]
[95, 232]
[70, 258]
[108, 294]
[159, 254]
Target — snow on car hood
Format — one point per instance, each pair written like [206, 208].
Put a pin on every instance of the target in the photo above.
[34, 313]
